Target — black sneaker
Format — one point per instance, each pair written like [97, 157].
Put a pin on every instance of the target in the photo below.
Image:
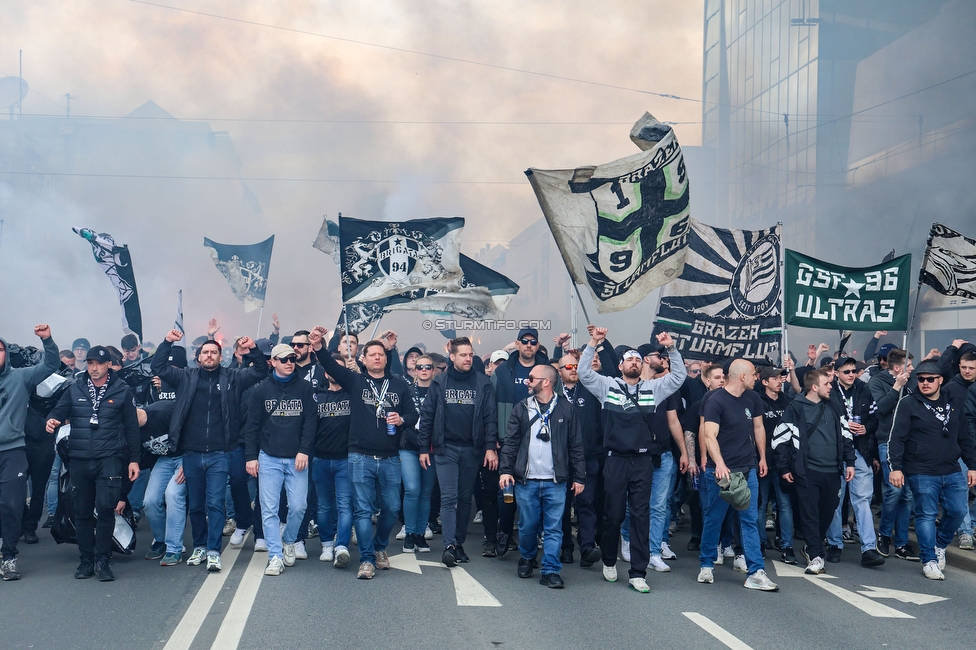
[871, 557]
[884, 545]
[48, 522]
[30, 537]
[488, 549]
[907, 552]
[104, 571]
[694, 544]
[85, 570]
[501, 545]
[156, 551]
[422, 546]
[524, 568]
[833, 554]
[461, 555]
[9, 569]
[449, 558]
[566, 557]
[590, 556]
[435, 527]
[788, 556]
[410, 543]
[551, 580]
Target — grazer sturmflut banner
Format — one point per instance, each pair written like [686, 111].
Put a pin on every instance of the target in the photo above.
[245, 267]
[726, 302]
[382, 259]
[828, 296]
[117, 264]
[950, 263]
[621, 227]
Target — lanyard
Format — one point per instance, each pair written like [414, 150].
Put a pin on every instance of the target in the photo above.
[941, 413]
[545, 416]
[380, 396]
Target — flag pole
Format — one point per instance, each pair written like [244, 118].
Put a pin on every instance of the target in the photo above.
[345, 322]
[918, 290]
[376, 327]
[260, 318]
[582, 306]
[784, 340]
[574, 318]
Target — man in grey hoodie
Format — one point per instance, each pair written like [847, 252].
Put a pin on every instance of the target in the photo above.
[16, 385]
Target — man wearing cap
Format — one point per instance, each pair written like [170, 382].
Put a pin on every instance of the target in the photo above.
[80, 348]
[279, 438]
[928, 439]
[811, 449]
[887, 387]
[628, 406]
[104, 439]
[853, 403]
[497, 358]
[131, 349]
[775, 403]
[204, 429]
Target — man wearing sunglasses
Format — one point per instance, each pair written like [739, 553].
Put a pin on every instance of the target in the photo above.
[279, 438]
[852, 401]
[927, 440]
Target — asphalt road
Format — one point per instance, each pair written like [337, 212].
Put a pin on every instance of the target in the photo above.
[314, 604]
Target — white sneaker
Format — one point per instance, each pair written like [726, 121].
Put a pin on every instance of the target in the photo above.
[300, 552]
[229, 526]
[428, 533]
[759, 580]
[728, 551]
[940, 557]
[352, 538]
[260, 546]
[609, 573]
[275, 567]
[658, 564]
[932, 571]
[197, 558]
[639, 585]
[705, 576]
[770, 524]
[237, 539]
[403, 532]
[966, 542]
[341, 557]
[719, 558]
[667, 553]
[478, 518]
[739, 564]
[213, 562]
[288, 550]
[328, 553]
[816, 567]
[625, 550]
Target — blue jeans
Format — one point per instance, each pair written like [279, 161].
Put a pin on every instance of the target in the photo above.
[715, 508]
[541, 502]
[418, 484]
[52, 486]
[896, 509]
[952, 492]
[966, 527]
[206, 484]
[273, 472]
[662, 486]
[334, 516]
[784, 512]
[375, 486]
[862, 489]
[165, 503]
[137, 493]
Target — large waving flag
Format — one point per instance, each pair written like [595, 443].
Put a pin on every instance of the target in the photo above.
[950, 263]
[245, 267]
[621, 227]
[117, 264]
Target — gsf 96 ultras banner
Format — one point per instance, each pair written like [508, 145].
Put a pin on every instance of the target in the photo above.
[828, 296]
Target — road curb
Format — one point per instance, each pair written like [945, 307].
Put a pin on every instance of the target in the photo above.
[955, 557]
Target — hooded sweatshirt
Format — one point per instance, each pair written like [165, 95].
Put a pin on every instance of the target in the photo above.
[281, 418]
[16, 385]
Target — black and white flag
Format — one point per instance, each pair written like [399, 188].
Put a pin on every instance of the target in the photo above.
[621, 227]
[727, 301]
[245, 267]
[950, 263]
[327, 240]
[382, 259]
[117, 264]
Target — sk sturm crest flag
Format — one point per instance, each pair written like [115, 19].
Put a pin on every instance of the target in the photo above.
[950, 263]
[828, 296]
[360, 315]
[245, 267]
[382, 259]
[117, 265]
[726, 302]
[327, 240]
[621, 227]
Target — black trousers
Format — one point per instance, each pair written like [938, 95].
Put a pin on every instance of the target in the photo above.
[13, 496]
[585, 508]
[95, 485]
[627, 481]
[817, 496]
[40, 460]
[488, 484]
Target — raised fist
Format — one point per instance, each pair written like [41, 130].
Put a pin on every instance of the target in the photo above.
[43, 331]
[174, 335]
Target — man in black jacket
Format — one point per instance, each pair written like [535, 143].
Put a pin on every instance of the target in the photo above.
[927, 440]
[380, 406]
[204, 429]
[104, 439]
[459, 425]
[279, 438]
[543, 451]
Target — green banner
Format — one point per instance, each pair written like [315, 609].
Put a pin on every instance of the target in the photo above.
[827, 296]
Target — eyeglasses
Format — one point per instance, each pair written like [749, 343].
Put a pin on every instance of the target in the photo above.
[527, 341]
[928, 379]
[424, 366]
[442, 368]
[291, 358]
[299, 345]
[569, 366]
[531, 379]
[849, 371]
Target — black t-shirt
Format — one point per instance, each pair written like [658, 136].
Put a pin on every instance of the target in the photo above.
[154, 435]
[772, 414]
[521, 389]
[662, 432]
[735, 427]
[460, 396]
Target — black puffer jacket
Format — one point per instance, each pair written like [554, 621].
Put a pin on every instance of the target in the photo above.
[117, 433]
[568, 459]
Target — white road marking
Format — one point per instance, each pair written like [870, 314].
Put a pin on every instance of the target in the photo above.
[197, 612]
[903, 596]
[717, 631]
[232, 628]
[866, 605]
[784, 570]
[468, 591]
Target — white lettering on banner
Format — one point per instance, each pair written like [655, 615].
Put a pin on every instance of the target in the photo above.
[850, 310]
[808, 275]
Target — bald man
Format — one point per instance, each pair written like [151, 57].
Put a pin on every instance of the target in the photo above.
[734, 438]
